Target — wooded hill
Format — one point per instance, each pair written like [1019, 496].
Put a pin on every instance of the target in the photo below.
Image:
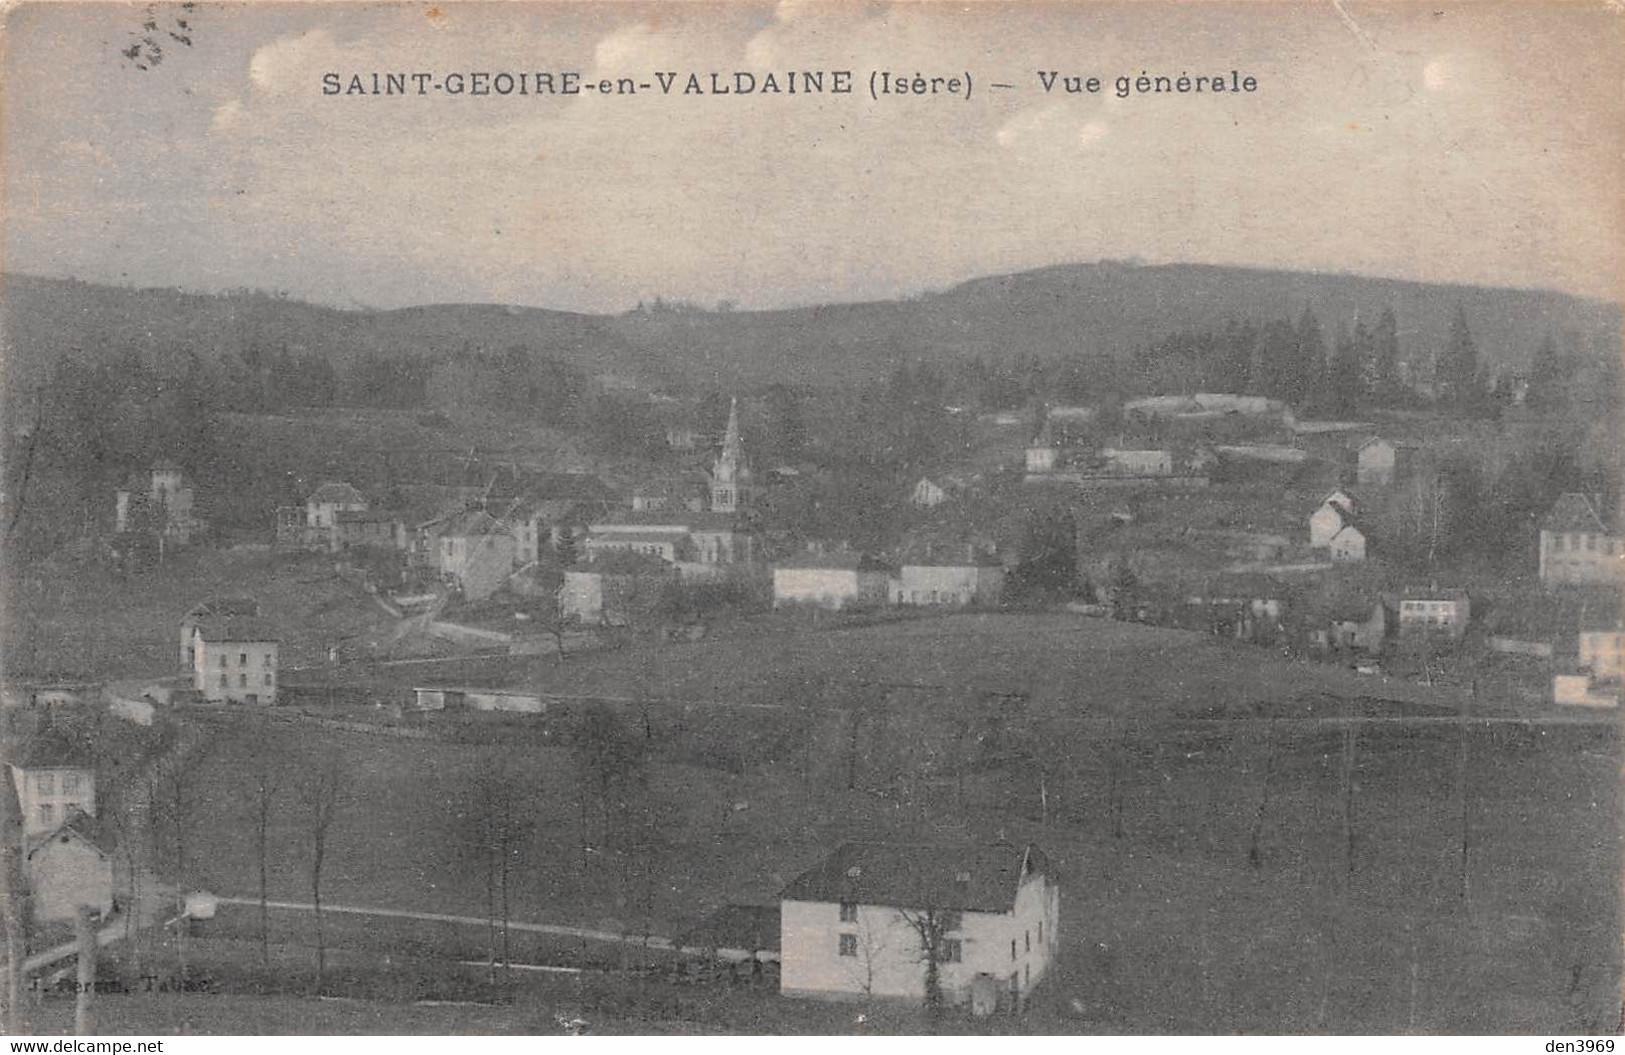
[1082, 310]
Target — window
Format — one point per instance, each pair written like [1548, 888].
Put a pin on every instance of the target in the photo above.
[242, 681]
[1012, 950]
[70, 783]
[951, 921]
[950, 950]
[849, 912]
[46, 814]
[1028, 972]
[1558, 541]
[849, 945]
[265, 660]
[1040, 932]
[1028, 938]
[222, 659]
[267, 680]
[46, 783]
[242, 659]
[222, 681]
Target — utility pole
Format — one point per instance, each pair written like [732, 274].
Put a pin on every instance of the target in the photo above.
[84, 1012]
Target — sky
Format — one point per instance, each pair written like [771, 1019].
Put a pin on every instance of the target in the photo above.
[1477, 142]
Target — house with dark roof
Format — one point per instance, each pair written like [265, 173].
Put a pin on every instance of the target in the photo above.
[476, 552]
[949, 575]
[234, 659]
[864, 921]
[210, 609]
[71, 866]
[160, 503]
[54, 777]
[1335, 511]
[1579, 544]
[330, 499]
[1349, 543]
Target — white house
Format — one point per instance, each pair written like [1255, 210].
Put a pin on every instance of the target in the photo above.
[1578, 545]
[927, 493]
[1138, 463]
[835, 581]
[53, 778]
[1431, 611]
[862, 922]
[1602, 643]
[1334, 511]
[234, 659]
[1348, 545]
[71, 866]
[331, 499]
[1378, 462]
[476, 552]
[214, 608]
[1041, 457]
[949, 582]
[162, 502]
[1578, 689]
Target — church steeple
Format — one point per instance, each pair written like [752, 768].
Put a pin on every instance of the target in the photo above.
[730, 477]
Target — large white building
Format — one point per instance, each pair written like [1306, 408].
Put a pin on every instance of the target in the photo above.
[858, 924]
[834, 581]
[53, 778]
[1578, 547]
[974, 580]
[234, 660]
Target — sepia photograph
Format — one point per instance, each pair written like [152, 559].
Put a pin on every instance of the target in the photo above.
[811, 518]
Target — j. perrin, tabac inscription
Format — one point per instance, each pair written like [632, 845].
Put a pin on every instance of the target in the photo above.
[811, 518]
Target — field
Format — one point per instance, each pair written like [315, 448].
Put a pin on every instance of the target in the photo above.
[84, 621]
[1414, 877]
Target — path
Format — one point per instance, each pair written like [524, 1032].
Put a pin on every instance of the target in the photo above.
[561, 930]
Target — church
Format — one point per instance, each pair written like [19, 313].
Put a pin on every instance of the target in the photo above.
[698, 542]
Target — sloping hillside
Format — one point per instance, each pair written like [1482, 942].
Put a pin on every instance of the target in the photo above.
[1083, 309]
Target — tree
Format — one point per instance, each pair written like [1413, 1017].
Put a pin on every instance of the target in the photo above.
[1385, 385]
[266, 785]
[321, 798]
[931, 926]
[1548, 376]
[1048, 564]
[1458, 366]
[1307, 367]
[498, 827]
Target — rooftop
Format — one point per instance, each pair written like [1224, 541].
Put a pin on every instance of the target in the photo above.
[471, 523]
[82, 824]
[1576, 512]
[337, 492]
[52, 748]
[237, 628]
[955, 877]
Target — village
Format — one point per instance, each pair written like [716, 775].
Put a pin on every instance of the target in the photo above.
[972, 662]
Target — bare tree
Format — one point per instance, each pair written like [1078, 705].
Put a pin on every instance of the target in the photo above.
[174, 800]
[872, 944]
[322, 797]
[931, 926]
[266, 785]
[499, 826]
[1254, 850]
